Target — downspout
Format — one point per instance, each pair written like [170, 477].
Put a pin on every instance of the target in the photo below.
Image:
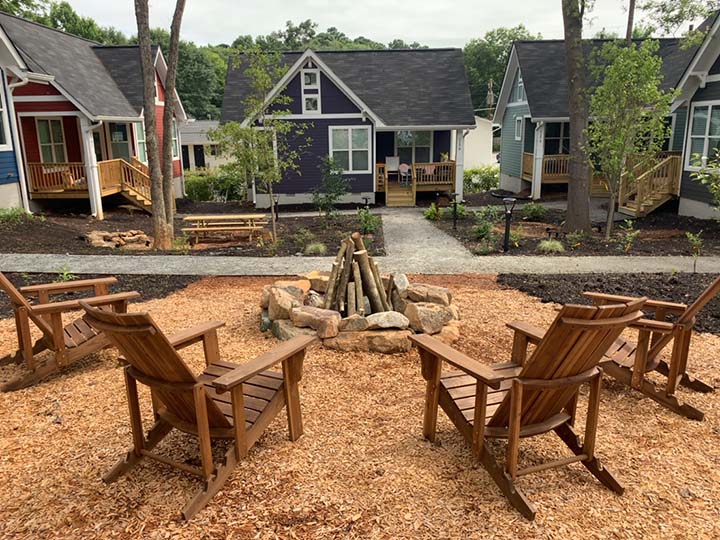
[94, 188]
[16, 141]
[538, 158]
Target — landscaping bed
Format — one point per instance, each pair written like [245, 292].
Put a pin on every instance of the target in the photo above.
[568, 288]
[660, 233]
[58, 233]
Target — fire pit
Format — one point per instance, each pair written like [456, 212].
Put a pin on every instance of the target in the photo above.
[354, 307]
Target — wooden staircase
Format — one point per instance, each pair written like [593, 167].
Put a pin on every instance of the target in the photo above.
[397, 195]
[131, 178]
[651, 188]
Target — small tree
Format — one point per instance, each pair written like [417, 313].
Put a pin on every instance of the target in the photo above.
[269, 147]
[709, 175]
[628, 111]
[332, 188]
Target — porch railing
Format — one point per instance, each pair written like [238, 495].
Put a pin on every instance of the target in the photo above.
[58, 177]
[139, 165]
[527, 166]
[423, 174]
[658, 179]
[118, 172]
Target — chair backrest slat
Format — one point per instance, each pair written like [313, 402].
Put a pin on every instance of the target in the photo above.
[147, 349]
[19, 300]
[567, 350]
[700, 302]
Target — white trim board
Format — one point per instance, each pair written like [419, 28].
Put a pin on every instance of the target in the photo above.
[40, 99]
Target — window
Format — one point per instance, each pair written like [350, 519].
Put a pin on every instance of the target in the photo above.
[310, 90]
[174, 140]
[350, 148]
[119, 141]
[4, 125]
[140, 135]
[413, 146]
[518, 128]
[520, 96]
[52, 140]
[704, 134]
[557, 138]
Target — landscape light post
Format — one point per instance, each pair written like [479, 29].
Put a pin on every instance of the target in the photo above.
[509, 203]
[455, 203]
[276, 203]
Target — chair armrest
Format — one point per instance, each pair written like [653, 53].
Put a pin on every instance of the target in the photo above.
[74, 305]
[67, 286]
[533, 334]
[265, 361]
[459, 360]
[671, 307]
[185, 338]
[654, 326]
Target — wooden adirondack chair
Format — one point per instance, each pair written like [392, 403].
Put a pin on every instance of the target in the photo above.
[69, 343]
[629, 361]
[527, 397]
[199, 405]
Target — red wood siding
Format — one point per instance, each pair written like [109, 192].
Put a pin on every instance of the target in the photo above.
[45, 106]
[160, 89]
[36, 89]
[29, 135]
[73, 147]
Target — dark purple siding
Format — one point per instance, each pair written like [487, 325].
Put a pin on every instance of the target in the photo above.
[311, 158]
[385, 143]
[334, 101]
[441, 144]
[293, 90]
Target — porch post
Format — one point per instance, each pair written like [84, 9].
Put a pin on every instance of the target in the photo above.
[538, 154]
[459, 160]
[91, 168]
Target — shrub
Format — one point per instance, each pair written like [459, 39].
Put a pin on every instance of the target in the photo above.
[433, 213]
[576, 239]
[550, 246]
[492, 214]
[628, 235]
[198, 187]
[64, 274]
[316, 249]
[533, 211]
[369, 222]
[332, 188]
[516, 236]
[482, 230]
[219, 185]
[303, 236]
[479, 179]
[462, 211]
[13, 215]
[696, 243]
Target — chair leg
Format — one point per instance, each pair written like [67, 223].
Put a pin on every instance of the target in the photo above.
[688, 381]
[156, 434]
[506, 484]
[212, 486]
[431, 371]
[29, 379]
[292, 373]
[570, 438]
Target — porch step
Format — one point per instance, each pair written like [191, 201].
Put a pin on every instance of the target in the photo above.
[399, 198]
[137, 199]
[631, 207]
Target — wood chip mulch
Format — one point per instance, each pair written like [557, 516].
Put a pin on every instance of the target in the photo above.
[362, 469]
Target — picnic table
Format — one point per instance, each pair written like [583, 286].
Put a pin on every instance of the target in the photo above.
[224, 224]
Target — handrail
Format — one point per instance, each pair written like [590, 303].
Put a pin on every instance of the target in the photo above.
[663, 178]
[434, 172]
[60, 176]
[118, 172]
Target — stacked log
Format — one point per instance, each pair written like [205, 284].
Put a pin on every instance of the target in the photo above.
[355, 277]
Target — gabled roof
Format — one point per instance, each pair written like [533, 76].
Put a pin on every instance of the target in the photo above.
[195, 131]
[415, 87]
[105, 82]
[544, 72]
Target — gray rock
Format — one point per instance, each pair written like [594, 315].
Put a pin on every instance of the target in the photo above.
[265, 322]
[401, 284]
[419, 292]
[281, 302]
[380, 341]
[387, 319]
[325, 321]
[284, 329]
[399, 303]
[314, 299]
[353, 323]
[427, 317]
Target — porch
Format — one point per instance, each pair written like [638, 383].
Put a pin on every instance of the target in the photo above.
[401, 190]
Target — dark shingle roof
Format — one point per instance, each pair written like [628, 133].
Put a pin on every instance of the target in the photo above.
[104, 80]
[544, 72]
[422, 87]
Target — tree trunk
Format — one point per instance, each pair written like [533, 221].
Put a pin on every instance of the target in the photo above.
[161, 235]
[273, 218]
[169, 114]
[578, 200]
[610, 215]
[630, 22]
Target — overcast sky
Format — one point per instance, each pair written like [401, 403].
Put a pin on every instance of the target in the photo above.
[431, 22]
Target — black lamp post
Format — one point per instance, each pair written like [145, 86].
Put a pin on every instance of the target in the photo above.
[276, 202]
[455, 203]
[509, 203]
[366, 200]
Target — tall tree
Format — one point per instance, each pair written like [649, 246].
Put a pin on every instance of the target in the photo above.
[578, 200]
[630, 21]
[486, 59]
[23, 8]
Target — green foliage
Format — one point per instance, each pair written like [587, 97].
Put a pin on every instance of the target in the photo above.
[481, 179]
[333, 187]
[576, 239]
[628, 110]
[482, 230]
[486, 59]
[64, 275]
[493, 214]
[13, 216]
[219, 185]
[670, 16]
[696, 244]
[303, 236]
[709, 175]
[516, 236]
[369, 222]
[181, 243]
[533, 211]
[316, 249]
[549, 245]
[627, 235]
[462, 211]
[433, 213]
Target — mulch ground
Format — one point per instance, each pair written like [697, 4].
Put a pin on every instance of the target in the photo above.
[65, 233]
[362, 469]
[661, 233]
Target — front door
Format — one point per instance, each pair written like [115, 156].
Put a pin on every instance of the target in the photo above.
[199, 154]
[119, 141]
[98, 145]
[185, 157]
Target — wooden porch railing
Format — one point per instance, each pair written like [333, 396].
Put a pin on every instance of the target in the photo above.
[659, 179]
[556, 167]
[434, 173]
[118, 172]
[139, 165]
[527, 165]
[58, 177]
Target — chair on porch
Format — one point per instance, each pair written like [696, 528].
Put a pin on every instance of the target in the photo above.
[199, 405]
[405, 174]
[392, 166]
[527, 397]
[68, 343]
[630, 361]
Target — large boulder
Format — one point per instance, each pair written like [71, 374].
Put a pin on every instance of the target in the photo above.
[450, 333]
[325, 321]
[402, 283]
[381, 341]
[281, 302]
[387, 319]
[302, 284]
[398, 302]
[318, 280]
[265, 322]
[283, 329]
[427, 317]
[353, 323]
[265, 296]
[419, 292]
[314, 299]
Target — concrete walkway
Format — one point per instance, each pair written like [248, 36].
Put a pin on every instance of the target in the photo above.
[413, 245]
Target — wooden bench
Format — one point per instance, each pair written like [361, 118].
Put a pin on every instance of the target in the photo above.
[224, 224]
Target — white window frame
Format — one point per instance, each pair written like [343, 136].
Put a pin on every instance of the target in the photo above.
[129, 127]
[518, 128]
[414, 159]
[52, 143]
[4, 115]
[175, 141]
[137, 126]
[521, 88]
[350, 147]
[688, 143]
[315, 86]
